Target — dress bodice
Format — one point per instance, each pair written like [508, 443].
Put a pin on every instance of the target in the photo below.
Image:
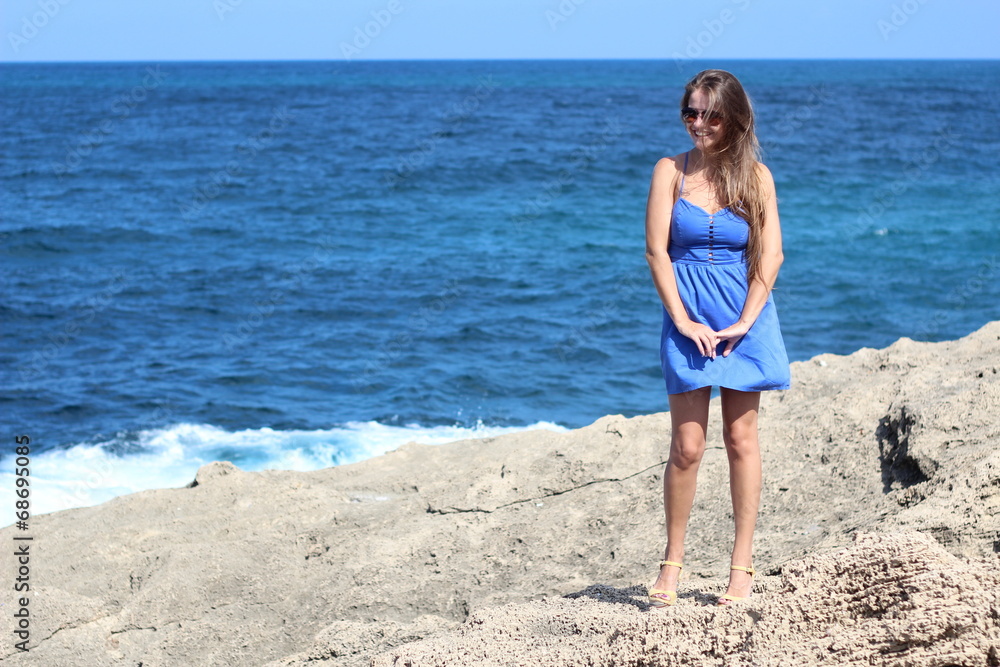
[700, 237]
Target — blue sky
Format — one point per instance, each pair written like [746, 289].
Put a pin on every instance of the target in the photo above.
[160, 30]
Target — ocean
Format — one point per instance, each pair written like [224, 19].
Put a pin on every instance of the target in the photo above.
[302, 264]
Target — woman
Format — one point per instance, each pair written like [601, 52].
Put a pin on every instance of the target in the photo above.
[713, 243]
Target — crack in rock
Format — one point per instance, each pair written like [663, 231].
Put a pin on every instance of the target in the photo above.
[464, 510]
[900, 469]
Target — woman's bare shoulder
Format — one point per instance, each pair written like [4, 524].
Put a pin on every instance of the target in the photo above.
[765, 176]
[669, 167]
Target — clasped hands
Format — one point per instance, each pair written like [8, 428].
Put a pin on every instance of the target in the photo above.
[708, 340]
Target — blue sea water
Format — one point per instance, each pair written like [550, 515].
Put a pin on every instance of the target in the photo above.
[300, 264]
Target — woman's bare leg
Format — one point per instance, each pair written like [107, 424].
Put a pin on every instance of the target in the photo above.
[689, 419]
[739, 429]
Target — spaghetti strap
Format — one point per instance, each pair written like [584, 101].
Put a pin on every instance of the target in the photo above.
[683, 173]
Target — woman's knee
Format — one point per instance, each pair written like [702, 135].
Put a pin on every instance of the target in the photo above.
[686, 452]
[741, 441]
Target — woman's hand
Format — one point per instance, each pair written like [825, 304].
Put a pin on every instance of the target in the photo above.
[704, 337]
[732, 335]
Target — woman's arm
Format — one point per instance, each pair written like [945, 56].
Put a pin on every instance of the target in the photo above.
[658, 210]
[771, 258]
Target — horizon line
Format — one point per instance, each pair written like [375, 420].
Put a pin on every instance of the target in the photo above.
[410, 60]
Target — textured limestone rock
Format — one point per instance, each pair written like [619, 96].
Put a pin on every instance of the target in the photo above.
[344, 563]
[889, 599]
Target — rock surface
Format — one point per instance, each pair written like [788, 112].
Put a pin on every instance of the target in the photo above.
[877, 543]
[887, 600]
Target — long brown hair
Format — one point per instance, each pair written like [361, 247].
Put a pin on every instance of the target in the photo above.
[734, 156]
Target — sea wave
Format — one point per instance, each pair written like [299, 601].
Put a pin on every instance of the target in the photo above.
[87, 474]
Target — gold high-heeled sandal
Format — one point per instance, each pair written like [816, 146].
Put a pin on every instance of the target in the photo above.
[659, 598]
[733, 598]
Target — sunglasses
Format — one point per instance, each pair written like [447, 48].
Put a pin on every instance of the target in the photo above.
[689, 115]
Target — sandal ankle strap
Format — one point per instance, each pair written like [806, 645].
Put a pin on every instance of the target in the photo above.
[670, 562]
[748, 570]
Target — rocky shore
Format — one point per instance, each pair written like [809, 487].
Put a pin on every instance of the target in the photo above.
[877, 543]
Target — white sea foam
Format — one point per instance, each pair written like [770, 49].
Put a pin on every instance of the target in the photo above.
[89, 474]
